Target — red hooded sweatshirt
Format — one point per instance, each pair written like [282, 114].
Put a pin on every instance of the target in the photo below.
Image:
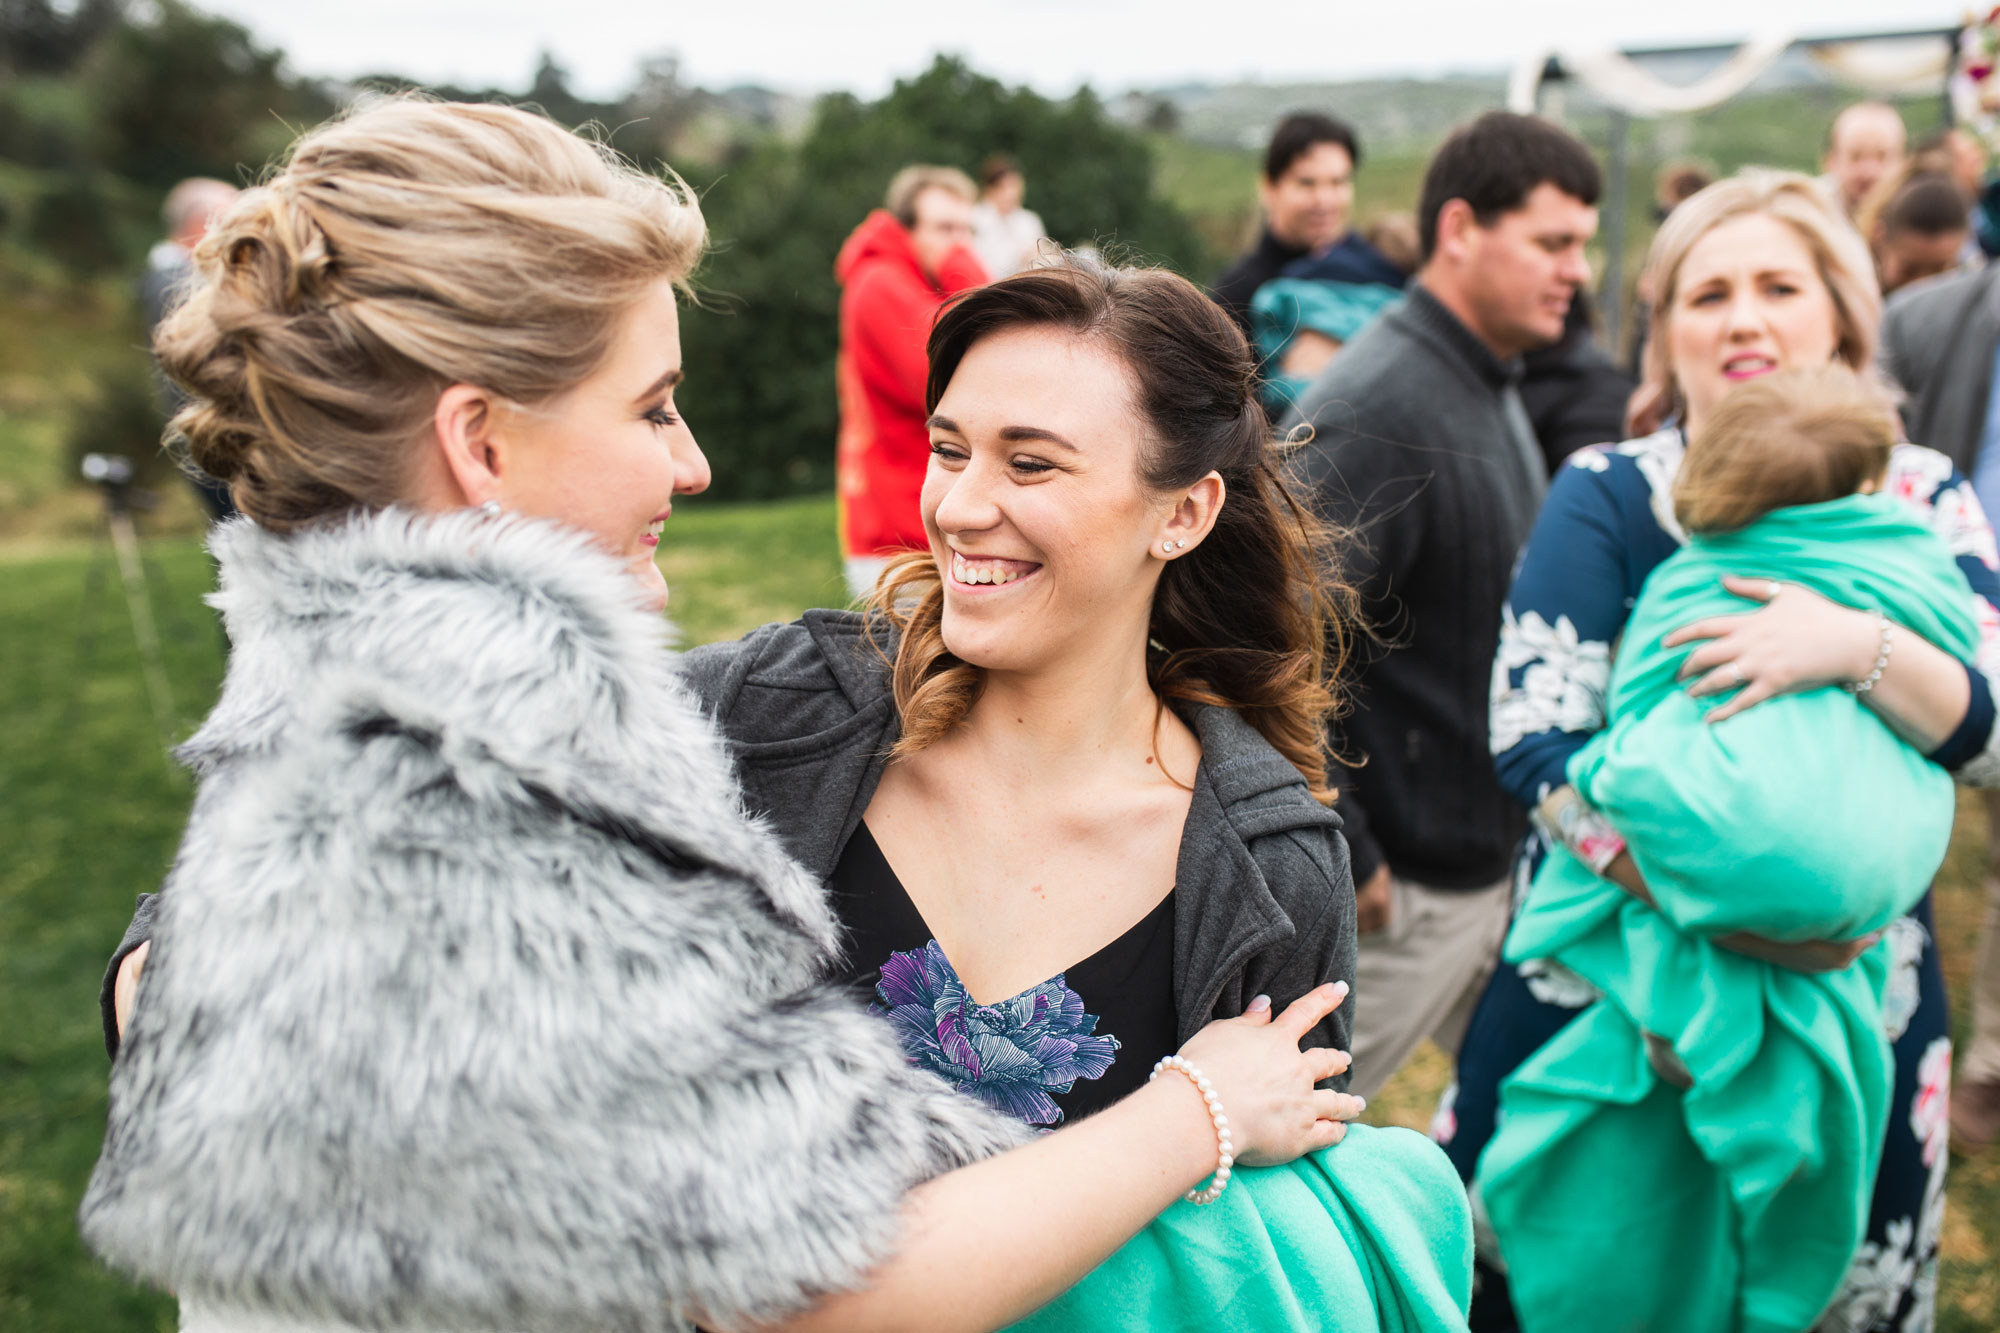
[886, 309]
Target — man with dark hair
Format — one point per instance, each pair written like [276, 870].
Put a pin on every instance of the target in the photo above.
[1422, 449]
[1307, 195]
[902, 263]
[1920, 232]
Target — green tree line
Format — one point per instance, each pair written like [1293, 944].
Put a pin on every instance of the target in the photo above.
[105, 104]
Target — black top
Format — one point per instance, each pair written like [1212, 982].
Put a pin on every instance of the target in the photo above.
[1057, 1051]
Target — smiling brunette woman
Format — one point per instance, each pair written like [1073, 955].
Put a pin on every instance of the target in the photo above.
[1065, 778]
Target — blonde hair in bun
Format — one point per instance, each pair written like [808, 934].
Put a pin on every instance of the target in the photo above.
[404, 247]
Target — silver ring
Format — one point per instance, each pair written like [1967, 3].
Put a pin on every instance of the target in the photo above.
[1776, 588]
[1735, 673]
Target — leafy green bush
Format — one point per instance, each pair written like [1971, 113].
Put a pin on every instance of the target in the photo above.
[184, 94]
[75, 221]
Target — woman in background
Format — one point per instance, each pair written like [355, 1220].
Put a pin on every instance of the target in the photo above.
[1751, 276]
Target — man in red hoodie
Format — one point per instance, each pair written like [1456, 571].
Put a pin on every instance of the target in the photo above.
[896, 270]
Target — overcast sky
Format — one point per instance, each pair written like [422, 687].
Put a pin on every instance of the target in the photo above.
[1054, 45]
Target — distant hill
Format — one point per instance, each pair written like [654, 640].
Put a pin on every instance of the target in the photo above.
[1388, 113]
[1400, 115]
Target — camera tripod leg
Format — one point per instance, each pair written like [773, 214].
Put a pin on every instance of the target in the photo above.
[101, 555]
[125, 542]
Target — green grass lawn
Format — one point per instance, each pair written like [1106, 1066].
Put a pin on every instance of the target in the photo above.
[93, 810]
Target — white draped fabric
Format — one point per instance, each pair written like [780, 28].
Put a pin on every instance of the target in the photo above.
[1896, 66]
[1910, 67]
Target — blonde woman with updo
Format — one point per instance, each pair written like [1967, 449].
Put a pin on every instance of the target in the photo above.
[1752, 276]
[472, 1000]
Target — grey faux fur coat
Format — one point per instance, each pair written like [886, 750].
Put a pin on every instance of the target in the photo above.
[475, 1002]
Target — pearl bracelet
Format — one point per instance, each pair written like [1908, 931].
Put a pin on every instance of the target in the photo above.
[1225, 1147]
[1867, 683]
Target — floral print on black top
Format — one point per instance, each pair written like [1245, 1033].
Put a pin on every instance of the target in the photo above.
[1010, 1055]
[1058, 1050]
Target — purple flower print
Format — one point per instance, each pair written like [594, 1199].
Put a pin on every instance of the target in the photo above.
[1010, 1055]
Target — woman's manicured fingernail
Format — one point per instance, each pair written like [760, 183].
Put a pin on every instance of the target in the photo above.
[1340, 988]
[1259, 1005]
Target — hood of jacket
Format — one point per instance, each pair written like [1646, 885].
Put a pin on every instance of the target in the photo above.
[882, 242]
[474, 999]
[879, 239]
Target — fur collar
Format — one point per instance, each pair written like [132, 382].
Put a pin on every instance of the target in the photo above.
[475, 1001]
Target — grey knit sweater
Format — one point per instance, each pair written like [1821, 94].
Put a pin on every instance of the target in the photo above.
[1421, 448]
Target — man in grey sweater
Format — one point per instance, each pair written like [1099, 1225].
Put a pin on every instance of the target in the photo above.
[1421, 449]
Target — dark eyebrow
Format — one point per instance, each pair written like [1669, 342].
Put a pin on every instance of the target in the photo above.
[661, 385]
[1011, 434]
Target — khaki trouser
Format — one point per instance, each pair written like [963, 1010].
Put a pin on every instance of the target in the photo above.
[1980, 1062]
[1422, 974]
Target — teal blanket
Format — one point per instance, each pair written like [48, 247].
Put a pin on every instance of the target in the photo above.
[1283, 306]
[1373, 1233]
[1804, 817]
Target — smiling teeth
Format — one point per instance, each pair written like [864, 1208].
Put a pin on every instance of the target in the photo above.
[657, 527]
[966, 572]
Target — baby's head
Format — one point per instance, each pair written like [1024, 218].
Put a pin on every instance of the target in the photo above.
[1794, 438]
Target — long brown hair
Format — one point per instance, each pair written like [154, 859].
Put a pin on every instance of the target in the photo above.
[1252, 619]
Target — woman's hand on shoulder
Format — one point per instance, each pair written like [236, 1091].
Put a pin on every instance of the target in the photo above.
[1798, 640]
[1266, 1083]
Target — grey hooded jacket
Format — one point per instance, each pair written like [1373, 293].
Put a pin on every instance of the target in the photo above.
[1263, 898]
[474, 1001]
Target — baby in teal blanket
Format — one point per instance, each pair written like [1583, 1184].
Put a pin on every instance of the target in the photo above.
[1725, 1108]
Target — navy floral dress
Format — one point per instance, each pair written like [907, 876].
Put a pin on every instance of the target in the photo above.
[1607, 523]
[1047, 1055]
